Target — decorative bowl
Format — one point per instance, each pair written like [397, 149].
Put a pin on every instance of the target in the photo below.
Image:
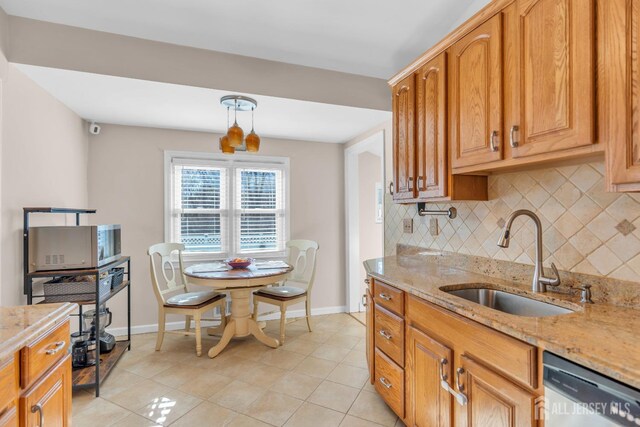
[239, 262]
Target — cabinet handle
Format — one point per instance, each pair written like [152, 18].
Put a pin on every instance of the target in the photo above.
[410, 183]
[57, 348]
[38, 408]
[364, 300]
[391, 188]
[384, 382]
[512, 138]
[367, 281]
[385, 334]
[385, 297]
[443, 376]
[461, 397]
[492, 141]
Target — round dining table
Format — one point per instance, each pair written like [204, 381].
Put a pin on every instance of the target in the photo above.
[240, 283]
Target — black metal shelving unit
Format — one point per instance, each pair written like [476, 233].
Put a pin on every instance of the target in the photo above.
[91, 376]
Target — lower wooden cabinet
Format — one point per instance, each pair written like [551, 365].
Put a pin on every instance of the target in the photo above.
[428, 363]
[48, 403]
[369, 331]
[492, 399]
[36, 384]
[455, 372]
[9, 418]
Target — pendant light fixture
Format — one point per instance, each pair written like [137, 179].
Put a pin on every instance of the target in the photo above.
[252, 140]
[234, 140]
[225, 146]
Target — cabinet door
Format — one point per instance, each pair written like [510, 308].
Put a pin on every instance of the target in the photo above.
[475, 101]
[556, 54]
[427, 402]
[492, 399]
[48, 402]
[369, 333]
[619, 97]
[403, 139]
[431, 141]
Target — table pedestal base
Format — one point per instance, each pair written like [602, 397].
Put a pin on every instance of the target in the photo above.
[240, 324]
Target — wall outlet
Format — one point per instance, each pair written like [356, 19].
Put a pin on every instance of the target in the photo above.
[433, 227]
[407, 225]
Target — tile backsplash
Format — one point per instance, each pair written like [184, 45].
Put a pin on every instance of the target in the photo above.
[585, 229]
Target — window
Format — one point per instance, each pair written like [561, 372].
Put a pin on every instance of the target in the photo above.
[219, 207]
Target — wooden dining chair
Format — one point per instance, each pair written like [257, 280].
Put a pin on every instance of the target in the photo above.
[174, 298]
[297, 287]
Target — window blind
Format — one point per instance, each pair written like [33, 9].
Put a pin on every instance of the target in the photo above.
[259, 210]
[228, 207]
[200, 211]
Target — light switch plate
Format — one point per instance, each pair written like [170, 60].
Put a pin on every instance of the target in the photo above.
[407, 225]
[433, 227]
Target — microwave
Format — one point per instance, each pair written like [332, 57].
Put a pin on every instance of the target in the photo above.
[73, 247]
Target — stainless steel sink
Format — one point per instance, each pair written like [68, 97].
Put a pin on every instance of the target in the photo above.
[509, 303]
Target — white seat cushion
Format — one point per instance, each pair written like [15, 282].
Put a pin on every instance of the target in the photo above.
[283, 291]
[191, 298]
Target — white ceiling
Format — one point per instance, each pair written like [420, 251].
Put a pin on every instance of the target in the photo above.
[118, 100]
[368, 37]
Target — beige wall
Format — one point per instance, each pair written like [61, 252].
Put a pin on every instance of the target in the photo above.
[371, 232]
[126, 186]
[44, 163]
[586, 229]
[4, 41]
[59, 46]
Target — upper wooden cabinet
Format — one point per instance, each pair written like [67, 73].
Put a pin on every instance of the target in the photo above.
[619, 97]
[475, 95]
[432, 164]
[421, 166]
[554, 82]
[403, 139]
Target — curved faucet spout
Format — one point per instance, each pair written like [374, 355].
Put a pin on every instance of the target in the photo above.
[539, 282]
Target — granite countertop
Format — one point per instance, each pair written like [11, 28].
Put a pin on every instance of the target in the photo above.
[603, 337]
[20, 324]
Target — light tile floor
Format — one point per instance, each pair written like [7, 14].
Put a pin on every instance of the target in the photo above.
[316, 379]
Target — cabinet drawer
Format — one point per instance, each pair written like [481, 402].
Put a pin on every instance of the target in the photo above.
[509, 356]
[8, 385]
[388, 297]
[9, 417]
[39, 356]
[390, 382]
[389, 334]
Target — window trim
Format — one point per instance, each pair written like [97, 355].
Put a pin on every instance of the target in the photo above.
[244, 160]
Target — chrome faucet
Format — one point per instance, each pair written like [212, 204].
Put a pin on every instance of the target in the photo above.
[540, 282]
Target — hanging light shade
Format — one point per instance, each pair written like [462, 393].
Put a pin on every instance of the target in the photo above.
[225, 146]
[253, 140]
[235, 135]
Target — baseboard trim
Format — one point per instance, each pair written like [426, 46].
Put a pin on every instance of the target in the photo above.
[174, 326]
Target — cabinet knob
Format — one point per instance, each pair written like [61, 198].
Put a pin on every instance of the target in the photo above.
[512, 136]
[492, 141]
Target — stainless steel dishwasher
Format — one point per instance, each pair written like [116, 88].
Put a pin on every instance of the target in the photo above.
[578, 397]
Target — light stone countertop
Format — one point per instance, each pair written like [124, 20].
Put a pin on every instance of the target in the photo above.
[19, 325]
[603, 337]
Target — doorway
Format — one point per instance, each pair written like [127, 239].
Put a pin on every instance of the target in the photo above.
[364, 184]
